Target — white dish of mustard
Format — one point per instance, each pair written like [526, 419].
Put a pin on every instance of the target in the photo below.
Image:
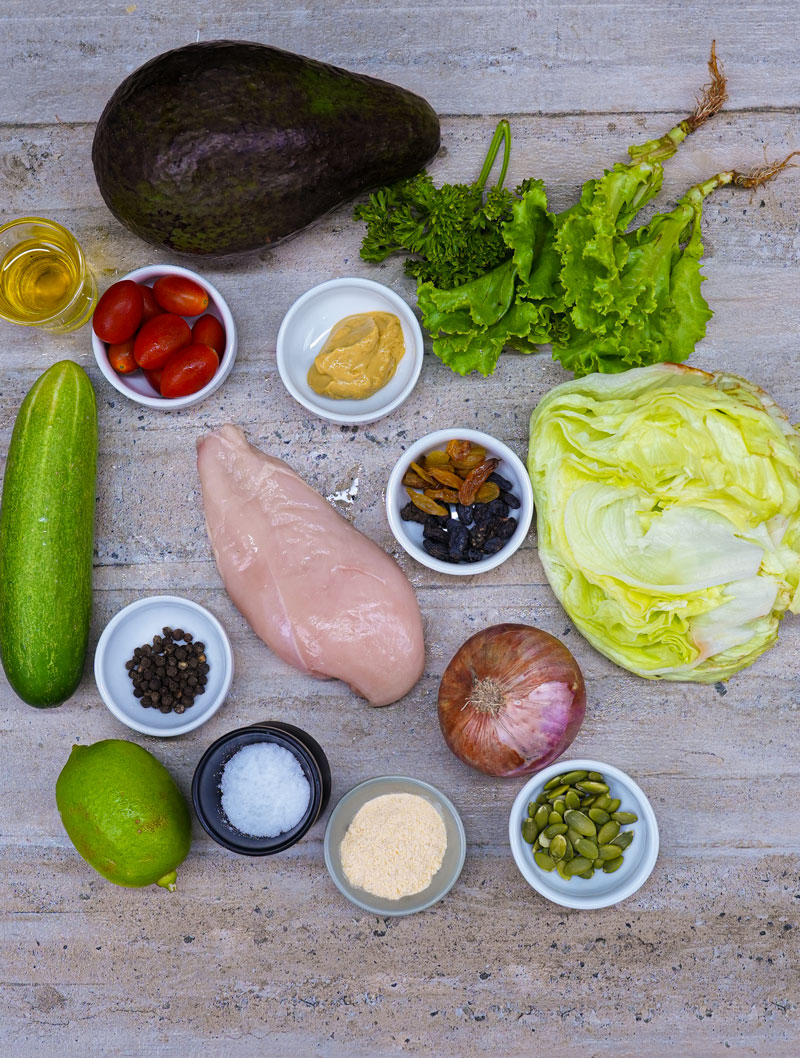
[313, 321]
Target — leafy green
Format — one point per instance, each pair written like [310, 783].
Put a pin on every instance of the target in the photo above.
[668, 507]
[453, 233]
[498, 268]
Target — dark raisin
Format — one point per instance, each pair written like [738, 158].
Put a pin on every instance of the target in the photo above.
[503, 483]
[481, 513]
[138, 692]
[505, 529]
[510, 500]
[478, 536]
[493, 545]
[435, 532]
[410, 513]
[437, 519]
[458, 538]
[498, 508]
[464, 513]
[436, 550]
[472, 554]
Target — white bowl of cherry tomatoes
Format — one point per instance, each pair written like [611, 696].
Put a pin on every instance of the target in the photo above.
[164, 337]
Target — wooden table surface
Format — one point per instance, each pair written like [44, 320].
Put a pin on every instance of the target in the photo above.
[264, 957]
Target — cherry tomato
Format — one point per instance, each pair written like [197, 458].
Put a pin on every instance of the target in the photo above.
[151, 306]
[120, 356]
[154, 378]
[159, 338]
[180, 295]
[118, 312]
[209, 331]
[188, 370]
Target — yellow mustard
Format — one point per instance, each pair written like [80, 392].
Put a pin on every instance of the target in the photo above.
[359, 357]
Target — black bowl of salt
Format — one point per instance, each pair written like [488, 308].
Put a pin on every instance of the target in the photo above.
[259, 789]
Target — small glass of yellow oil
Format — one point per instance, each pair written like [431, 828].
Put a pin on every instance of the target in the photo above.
[44, 278]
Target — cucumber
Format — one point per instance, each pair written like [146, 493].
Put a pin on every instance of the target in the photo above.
[46, 537]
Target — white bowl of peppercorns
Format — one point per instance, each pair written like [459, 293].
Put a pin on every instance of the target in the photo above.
[163, 665]
[459, 501]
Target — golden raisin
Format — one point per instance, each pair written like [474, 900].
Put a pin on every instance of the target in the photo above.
[471, 484]
[487, 492]
[426, 504]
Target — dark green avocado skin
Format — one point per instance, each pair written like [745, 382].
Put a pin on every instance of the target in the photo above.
[228, 147]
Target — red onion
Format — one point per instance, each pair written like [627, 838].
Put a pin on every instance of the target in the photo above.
[511, 700]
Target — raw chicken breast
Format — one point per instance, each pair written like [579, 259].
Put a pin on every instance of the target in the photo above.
[319, 593]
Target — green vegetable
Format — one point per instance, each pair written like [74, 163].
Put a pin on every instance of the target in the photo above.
[668, 505]
[606, 298]
[46, 533]
[229, 147]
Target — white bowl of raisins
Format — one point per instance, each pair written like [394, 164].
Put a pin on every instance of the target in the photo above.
[459, 501]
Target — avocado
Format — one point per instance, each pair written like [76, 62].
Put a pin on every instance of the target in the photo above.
[227, 147]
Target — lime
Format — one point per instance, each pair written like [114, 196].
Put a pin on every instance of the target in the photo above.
[123, 813]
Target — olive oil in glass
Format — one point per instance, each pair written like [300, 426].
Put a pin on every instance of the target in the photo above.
[44, 278]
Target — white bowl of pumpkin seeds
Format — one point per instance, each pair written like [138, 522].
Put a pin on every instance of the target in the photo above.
[599, 841]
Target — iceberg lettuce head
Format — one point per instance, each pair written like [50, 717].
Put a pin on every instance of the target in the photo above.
[668, 507]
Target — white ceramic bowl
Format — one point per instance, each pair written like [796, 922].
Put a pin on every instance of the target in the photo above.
[136, 386]
[602, 889]
[136, 625]
[444, 879]
[409, 534]
[311, 319]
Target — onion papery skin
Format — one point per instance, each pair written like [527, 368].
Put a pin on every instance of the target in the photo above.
[533, 704]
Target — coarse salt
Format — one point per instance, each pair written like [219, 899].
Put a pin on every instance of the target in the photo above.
[264, 790]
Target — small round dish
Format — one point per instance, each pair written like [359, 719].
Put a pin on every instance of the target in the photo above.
[207, 798]
[135, 386]
[602, 890]
[441, 883]
[311, 319]
[409, 534]
[136, 625]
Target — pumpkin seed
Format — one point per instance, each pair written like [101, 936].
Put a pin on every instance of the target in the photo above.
[592, 787]
[557, 780]
[609, 852]
[547, 863]
[608, 832]
[554, 830]
[625, 817]
[586, 848]
[572, 777]
[578, 865]
[578, 821]
[558, 847]
[574, 826]
[561, 867]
